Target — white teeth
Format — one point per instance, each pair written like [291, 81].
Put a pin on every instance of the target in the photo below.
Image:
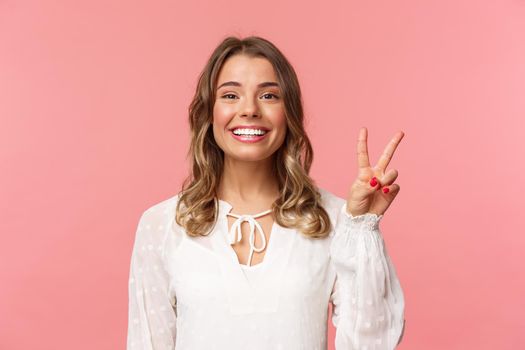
[249, 132]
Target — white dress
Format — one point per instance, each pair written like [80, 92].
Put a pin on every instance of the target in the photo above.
[190, 293]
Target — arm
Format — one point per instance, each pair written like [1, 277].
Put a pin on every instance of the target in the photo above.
[152, 308]
[367, 298]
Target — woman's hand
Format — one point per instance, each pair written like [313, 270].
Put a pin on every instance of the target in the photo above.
[367, 195]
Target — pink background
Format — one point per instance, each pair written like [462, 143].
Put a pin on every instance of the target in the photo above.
[93, 107]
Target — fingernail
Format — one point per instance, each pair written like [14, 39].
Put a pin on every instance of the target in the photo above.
[373, 182]
[386, 189]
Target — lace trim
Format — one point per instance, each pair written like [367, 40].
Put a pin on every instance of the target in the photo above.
[367, 220]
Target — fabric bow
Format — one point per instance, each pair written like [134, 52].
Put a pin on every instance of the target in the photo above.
[235, 234]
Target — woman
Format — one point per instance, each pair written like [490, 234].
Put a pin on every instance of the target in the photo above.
[250, 253]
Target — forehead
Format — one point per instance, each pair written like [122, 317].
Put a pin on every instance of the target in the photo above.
[246, 70]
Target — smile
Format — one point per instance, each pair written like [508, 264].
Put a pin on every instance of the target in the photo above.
[250, 132]
[249, 135]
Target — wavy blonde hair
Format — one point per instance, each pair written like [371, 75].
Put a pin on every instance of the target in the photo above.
[298, 205]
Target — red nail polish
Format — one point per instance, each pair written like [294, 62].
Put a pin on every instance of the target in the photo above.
[386, 189]
[373, 182]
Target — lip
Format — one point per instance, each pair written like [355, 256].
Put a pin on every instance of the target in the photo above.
[249, 127]
[249, 139]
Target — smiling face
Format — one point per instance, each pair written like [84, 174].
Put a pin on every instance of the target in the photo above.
[248, 96]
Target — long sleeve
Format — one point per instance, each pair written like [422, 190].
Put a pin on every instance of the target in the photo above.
[152, 309]
[367, 298]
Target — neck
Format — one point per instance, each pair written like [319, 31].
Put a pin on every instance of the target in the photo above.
[247, 181]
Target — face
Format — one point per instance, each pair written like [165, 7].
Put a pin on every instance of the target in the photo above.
[248, 98]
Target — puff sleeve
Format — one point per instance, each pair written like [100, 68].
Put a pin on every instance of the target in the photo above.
[152, 307]
[367, 298]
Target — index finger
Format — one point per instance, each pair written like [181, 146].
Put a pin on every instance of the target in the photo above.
[362, 149]
[385, 158]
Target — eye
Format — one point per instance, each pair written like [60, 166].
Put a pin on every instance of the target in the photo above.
[229, 95]
[269, 94]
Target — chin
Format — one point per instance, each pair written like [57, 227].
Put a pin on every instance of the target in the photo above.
[249, 156]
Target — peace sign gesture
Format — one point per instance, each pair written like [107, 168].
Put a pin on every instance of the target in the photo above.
[374, 190]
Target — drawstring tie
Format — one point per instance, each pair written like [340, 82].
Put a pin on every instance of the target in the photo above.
[235, 234]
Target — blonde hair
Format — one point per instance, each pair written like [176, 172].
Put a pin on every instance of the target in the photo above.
[298, 205]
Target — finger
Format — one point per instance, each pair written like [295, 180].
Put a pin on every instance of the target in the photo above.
[386, 199]
[389, 151]
[362, 149]
[391, 190]
[389, 177]
[374, 184]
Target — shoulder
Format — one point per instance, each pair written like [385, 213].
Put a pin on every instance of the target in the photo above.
[331, 201]
[160, 212]
[160, 208]
[333, 205]
[158, 220]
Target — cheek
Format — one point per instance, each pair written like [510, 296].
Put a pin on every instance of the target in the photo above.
[221, 119]
[279, 122]
[275, 113]
[221, 116]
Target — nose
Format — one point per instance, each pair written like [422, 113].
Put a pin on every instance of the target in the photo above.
[250, 108]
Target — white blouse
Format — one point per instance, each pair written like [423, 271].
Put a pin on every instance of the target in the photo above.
[189, 293]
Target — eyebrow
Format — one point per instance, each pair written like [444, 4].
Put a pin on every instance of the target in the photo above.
[261, 85]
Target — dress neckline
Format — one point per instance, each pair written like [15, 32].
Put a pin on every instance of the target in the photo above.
[251, 267]
[251, 283]
[234, 234]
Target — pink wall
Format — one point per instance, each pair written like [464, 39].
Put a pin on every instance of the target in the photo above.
[93, 104]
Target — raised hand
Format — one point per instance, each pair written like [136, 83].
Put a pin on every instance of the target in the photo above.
[374, 190]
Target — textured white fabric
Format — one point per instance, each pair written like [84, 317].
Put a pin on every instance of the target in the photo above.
[251, 272]
[190, 293]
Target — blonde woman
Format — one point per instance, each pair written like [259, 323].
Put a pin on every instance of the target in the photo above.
[250, 252]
